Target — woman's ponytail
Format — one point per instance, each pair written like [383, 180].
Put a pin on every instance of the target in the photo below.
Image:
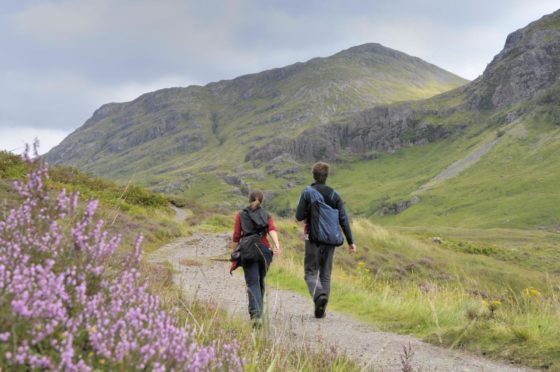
[255, 199]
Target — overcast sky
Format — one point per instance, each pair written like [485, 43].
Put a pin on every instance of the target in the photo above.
[62, 59]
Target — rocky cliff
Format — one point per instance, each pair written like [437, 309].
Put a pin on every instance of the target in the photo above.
[528, 65]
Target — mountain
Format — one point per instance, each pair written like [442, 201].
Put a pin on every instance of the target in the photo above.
[482, 154]
[164, 136]
[528, 68]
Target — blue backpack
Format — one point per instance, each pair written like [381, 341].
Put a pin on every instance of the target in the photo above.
[324, 225]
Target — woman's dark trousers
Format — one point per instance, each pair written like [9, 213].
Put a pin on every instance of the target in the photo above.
[255, 272]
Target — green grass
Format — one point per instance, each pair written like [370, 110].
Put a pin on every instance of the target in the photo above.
[498, 223]
[515, 185]
[404, 284]
[127, 210]
[533, 249]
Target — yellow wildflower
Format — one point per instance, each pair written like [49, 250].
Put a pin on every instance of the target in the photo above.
[531, 292]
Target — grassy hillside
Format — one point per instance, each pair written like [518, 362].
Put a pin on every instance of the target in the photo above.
[516, 185]
[406, 164]
[511, 186]
[129, 210]
[490, 162]
[445, 296]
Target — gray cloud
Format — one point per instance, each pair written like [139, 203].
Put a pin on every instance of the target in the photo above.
[62, 59]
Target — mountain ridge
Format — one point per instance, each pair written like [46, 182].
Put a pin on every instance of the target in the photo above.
[294, 97]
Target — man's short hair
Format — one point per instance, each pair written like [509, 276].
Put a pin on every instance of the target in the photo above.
[320, 172]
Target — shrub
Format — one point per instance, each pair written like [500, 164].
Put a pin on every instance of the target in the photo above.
[63, 308]
[140, 196]
[11, 165]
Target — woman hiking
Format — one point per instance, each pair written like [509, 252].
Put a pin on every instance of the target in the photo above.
[252, 224]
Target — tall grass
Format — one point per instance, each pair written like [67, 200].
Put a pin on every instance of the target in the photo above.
[457, 300]
[260, 351]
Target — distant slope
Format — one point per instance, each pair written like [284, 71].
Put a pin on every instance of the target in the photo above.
[164, 136]
[459, 166]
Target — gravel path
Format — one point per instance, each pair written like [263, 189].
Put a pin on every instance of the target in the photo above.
[199, 273]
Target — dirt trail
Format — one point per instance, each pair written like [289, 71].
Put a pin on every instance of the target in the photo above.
[291, 315]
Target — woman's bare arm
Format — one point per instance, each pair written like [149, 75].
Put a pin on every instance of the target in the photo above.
[274, 236]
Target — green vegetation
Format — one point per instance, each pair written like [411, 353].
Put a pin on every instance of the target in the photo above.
[436, 292]
[128, 210]
[185, 141]
[469, 253]
[492, 284]
[515, 185]
[491, 291]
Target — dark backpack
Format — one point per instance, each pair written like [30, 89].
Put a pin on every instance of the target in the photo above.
[254, 221]
[324, 225]
[254, 224]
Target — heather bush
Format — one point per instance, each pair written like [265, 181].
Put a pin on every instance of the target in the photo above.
[63, 307]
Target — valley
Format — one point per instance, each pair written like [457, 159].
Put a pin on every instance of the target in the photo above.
[452, 186]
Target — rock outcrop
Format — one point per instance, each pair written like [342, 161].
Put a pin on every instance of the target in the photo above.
[527, 66]
[385, 129]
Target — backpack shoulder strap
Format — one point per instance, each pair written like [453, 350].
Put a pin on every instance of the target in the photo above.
[314, 194]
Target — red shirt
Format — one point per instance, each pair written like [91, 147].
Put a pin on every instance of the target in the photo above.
[237, 230]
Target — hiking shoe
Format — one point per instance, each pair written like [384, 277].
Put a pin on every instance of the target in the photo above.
[320, 306]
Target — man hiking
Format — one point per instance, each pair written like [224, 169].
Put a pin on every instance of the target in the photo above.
[322, 209]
